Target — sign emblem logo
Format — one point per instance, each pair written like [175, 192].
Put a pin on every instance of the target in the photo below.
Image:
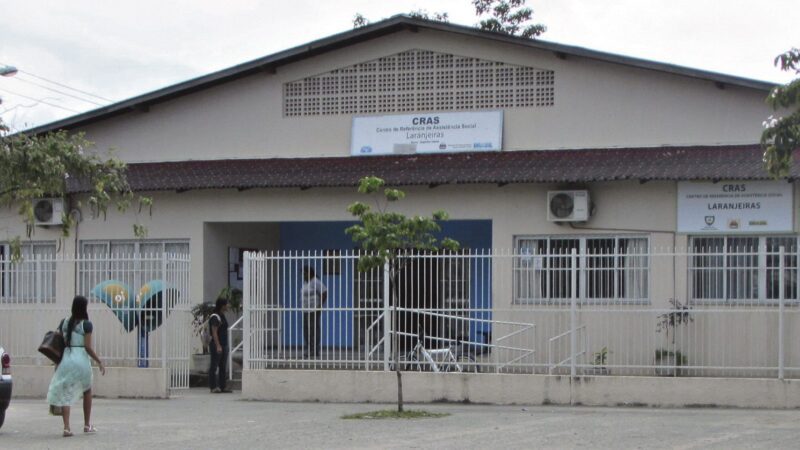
[710, 220]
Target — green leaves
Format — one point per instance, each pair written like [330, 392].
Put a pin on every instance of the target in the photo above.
[507, 16]
[423, 14]
[16, 248]
[139, 230]
[360, 21]
[369, 185]
[450, 244]
[385, 235]
[781, 135]
[394, 194]
[358, 209]
[46, 165]
[440, 215]
[789, 61]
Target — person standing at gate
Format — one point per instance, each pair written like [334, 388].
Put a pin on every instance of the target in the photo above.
[314, 294]
[217, 370]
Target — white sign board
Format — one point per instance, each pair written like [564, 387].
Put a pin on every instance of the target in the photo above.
[735, 207]
[427, 133]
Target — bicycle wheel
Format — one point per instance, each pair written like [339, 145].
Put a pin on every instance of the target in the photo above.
[466, 362]
[411, 363]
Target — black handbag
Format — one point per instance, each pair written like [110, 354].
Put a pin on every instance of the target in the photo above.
[52, 346]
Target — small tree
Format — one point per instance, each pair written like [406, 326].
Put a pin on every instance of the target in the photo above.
[679, 314]
[360, 21]
[781, 135]
[423, 14]
[501, 16]
[389, 239]
[42, 165]
[507, 16]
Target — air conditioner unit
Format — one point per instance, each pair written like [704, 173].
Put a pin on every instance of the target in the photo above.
[568, 206]
[48, 211]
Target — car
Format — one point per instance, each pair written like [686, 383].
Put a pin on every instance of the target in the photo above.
[5, 384]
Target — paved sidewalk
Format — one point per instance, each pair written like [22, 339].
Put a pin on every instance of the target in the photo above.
[196, 419]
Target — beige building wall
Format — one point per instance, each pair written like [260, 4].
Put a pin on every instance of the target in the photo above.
[212, 220]
[515, 210]
[597, 104]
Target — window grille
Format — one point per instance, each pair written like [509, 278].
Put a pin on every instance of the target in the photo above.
[419, 80]
[609, 269]
[33, 278]
[737, 269]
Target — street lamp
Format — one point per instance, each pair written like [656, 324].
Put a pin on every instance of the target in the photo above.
[8, 71]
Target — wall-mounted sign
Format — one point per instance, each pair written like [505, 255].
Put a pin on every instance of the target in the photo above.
[427, 133]
[735, 207]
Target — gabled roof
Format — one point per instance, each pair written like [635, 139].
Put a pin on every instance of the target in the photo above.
[392, 25]
[741, 162]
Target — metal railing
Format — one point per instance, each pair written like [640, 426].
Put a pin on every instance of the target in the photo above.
[236, 326]
[591, 305]
[572, 358]
[138, 303]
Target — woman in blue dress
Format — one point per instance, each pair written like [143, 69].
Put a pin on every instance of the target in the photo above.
[73, 375]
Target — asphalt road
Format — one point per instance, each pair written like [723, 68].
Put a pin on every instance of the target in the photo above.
[196, 419]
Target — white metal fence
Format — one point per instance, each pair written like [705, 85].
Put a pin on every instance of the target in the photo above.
[139, 305]
[615, 307]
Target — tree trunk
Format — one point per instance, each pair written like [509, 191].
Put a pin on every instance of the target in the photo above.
[399, 390]
[396, 341]
[396, 358]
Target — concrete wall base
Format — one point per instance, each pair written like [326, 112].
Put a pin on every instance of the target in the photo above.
[381, 387]
[118, 382]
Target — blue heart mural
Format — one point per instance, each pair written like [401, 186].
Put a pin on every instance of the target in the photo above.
[143, 310]
[150, 298]
[117, 296]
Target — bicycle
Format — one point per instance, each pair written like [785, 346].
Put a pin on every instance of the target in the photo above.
[452, 358]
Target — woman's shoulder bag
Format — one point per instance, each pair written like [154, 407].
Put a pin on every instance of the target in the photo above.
[53, 345]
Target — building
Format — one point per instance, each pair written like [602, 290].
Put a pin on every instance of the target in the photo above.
[266, 156]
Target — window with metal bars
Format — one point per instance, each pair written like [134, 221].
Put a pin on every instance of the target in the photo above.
[742, 269]
[608, 269]
[32, 279]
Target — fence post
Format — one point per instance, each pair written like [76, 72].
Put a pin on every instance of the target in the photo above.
[164, 324]
[573, 313]
[38, 301]
[780, 312]
[246, 299]
[387, 323]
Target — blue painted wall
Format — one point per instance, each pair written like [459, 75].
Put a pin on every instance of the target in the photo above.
[308, 237]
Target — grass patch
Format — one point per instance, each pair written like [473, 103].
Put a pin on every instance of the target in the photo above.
[394, 414]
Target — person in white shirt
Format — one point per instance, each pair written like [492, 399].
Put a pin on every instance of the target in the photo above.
[314, 294]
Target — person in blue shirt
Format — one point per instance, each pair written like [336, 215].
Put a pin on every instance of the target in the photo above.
[314, 294]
